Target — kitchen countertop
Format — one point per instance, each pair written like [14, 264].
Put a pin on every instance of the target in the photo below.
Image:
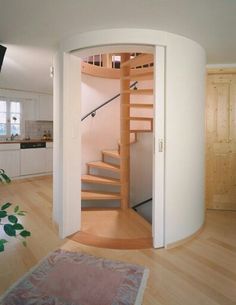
[24, 141]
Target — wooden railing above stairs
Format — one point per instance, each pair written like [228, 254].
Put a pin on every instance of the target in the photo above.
[106, 65]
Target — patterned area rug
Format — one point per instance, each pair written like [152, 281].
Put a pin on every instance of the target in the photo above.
[71, 278]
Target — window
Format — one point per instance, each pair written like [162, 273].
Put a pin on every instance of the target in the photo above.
[10, 117]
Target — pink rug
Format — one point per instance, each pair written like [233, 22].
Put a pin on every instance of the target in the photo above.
[70, 278]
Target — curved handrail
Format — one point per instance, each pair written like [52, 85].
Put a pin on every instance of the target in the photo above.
[93, 112]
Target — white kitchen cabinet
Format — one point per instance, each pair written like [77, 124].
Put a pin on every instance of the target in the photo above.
[45, 107]
[29, 109]
[49, 157]
[10, 159]
[23, 162]
[32, 161]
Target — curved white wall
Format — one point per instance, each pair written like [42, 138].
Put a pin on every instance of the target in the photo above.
[185, 100]
[184, 121]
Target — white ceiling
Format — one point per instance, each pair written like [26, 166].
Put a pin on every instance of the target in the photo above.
[32, 29]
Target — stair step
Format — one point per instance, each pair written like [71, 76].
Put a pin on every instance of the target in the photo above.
[140, 119]
[91, 195]
[140, 105]
[140, 60]
[104, 165]
[140, 76]
[111, 153]
[99, 180]
[141, 130]
[140, 91]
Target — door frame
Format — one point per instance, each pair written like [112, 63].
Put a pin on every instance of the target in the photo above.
[66, 152]
[65, 209]
[158, 202]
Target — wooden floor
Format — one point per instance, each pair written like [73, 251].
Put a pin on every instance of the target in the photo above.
[201, 272]
[114, 229]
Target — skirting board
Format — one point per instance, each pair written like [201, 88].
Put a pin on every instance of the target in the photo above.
[186, 239]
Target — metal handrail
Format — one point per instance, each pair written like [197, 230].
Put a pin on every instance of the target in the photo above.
[141, 203]
[93, 112]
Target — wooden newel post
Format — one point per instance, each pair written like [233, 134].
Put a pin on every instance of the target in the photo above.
[125, 132]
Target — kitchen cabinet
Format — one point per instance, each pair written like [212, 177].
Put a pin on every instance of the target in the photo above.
[49, 157]
[10, 159]
[32, 161]
[29, 109]
[24, 162]
[45, 107]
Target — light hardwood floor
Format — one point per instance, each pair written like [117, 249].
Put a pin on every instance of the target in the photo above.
[201, 272]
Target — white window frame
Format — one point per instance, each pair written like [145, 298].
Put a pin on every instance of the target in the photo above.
[8, 115]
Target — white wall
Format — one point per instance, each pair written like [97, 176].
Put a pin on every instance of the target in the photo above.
[185, 107]
[185, 81]
[67, 144]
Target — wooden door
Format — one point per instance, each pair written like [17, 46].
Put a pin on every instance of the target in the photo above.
[221, 142]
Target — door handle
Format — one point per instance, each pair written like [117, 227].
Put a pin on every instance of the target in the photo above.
[160, 145]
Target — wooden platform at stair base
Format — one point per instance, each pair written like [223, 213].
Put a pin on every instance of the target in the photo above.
[114, 229]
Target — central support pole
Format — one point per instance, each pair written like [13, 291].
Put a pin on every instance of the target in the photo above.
[125, 131]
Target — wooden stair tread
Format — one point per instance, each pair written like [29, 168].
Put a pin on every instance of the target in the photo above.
[140, 60]
[140, 119]
[111, 153]
[140, 74]
[140, 91]
[99, 180]
[139, 77]
[104, 165]
[142, 71]
[140, 105]
[140, 130]
[94, 195]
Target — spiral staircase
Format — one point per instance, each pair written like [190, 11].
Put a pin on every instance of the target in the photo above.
[113, 169]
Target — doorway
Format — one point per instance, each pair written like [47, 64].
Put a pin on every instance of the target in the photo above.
[70, 62]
